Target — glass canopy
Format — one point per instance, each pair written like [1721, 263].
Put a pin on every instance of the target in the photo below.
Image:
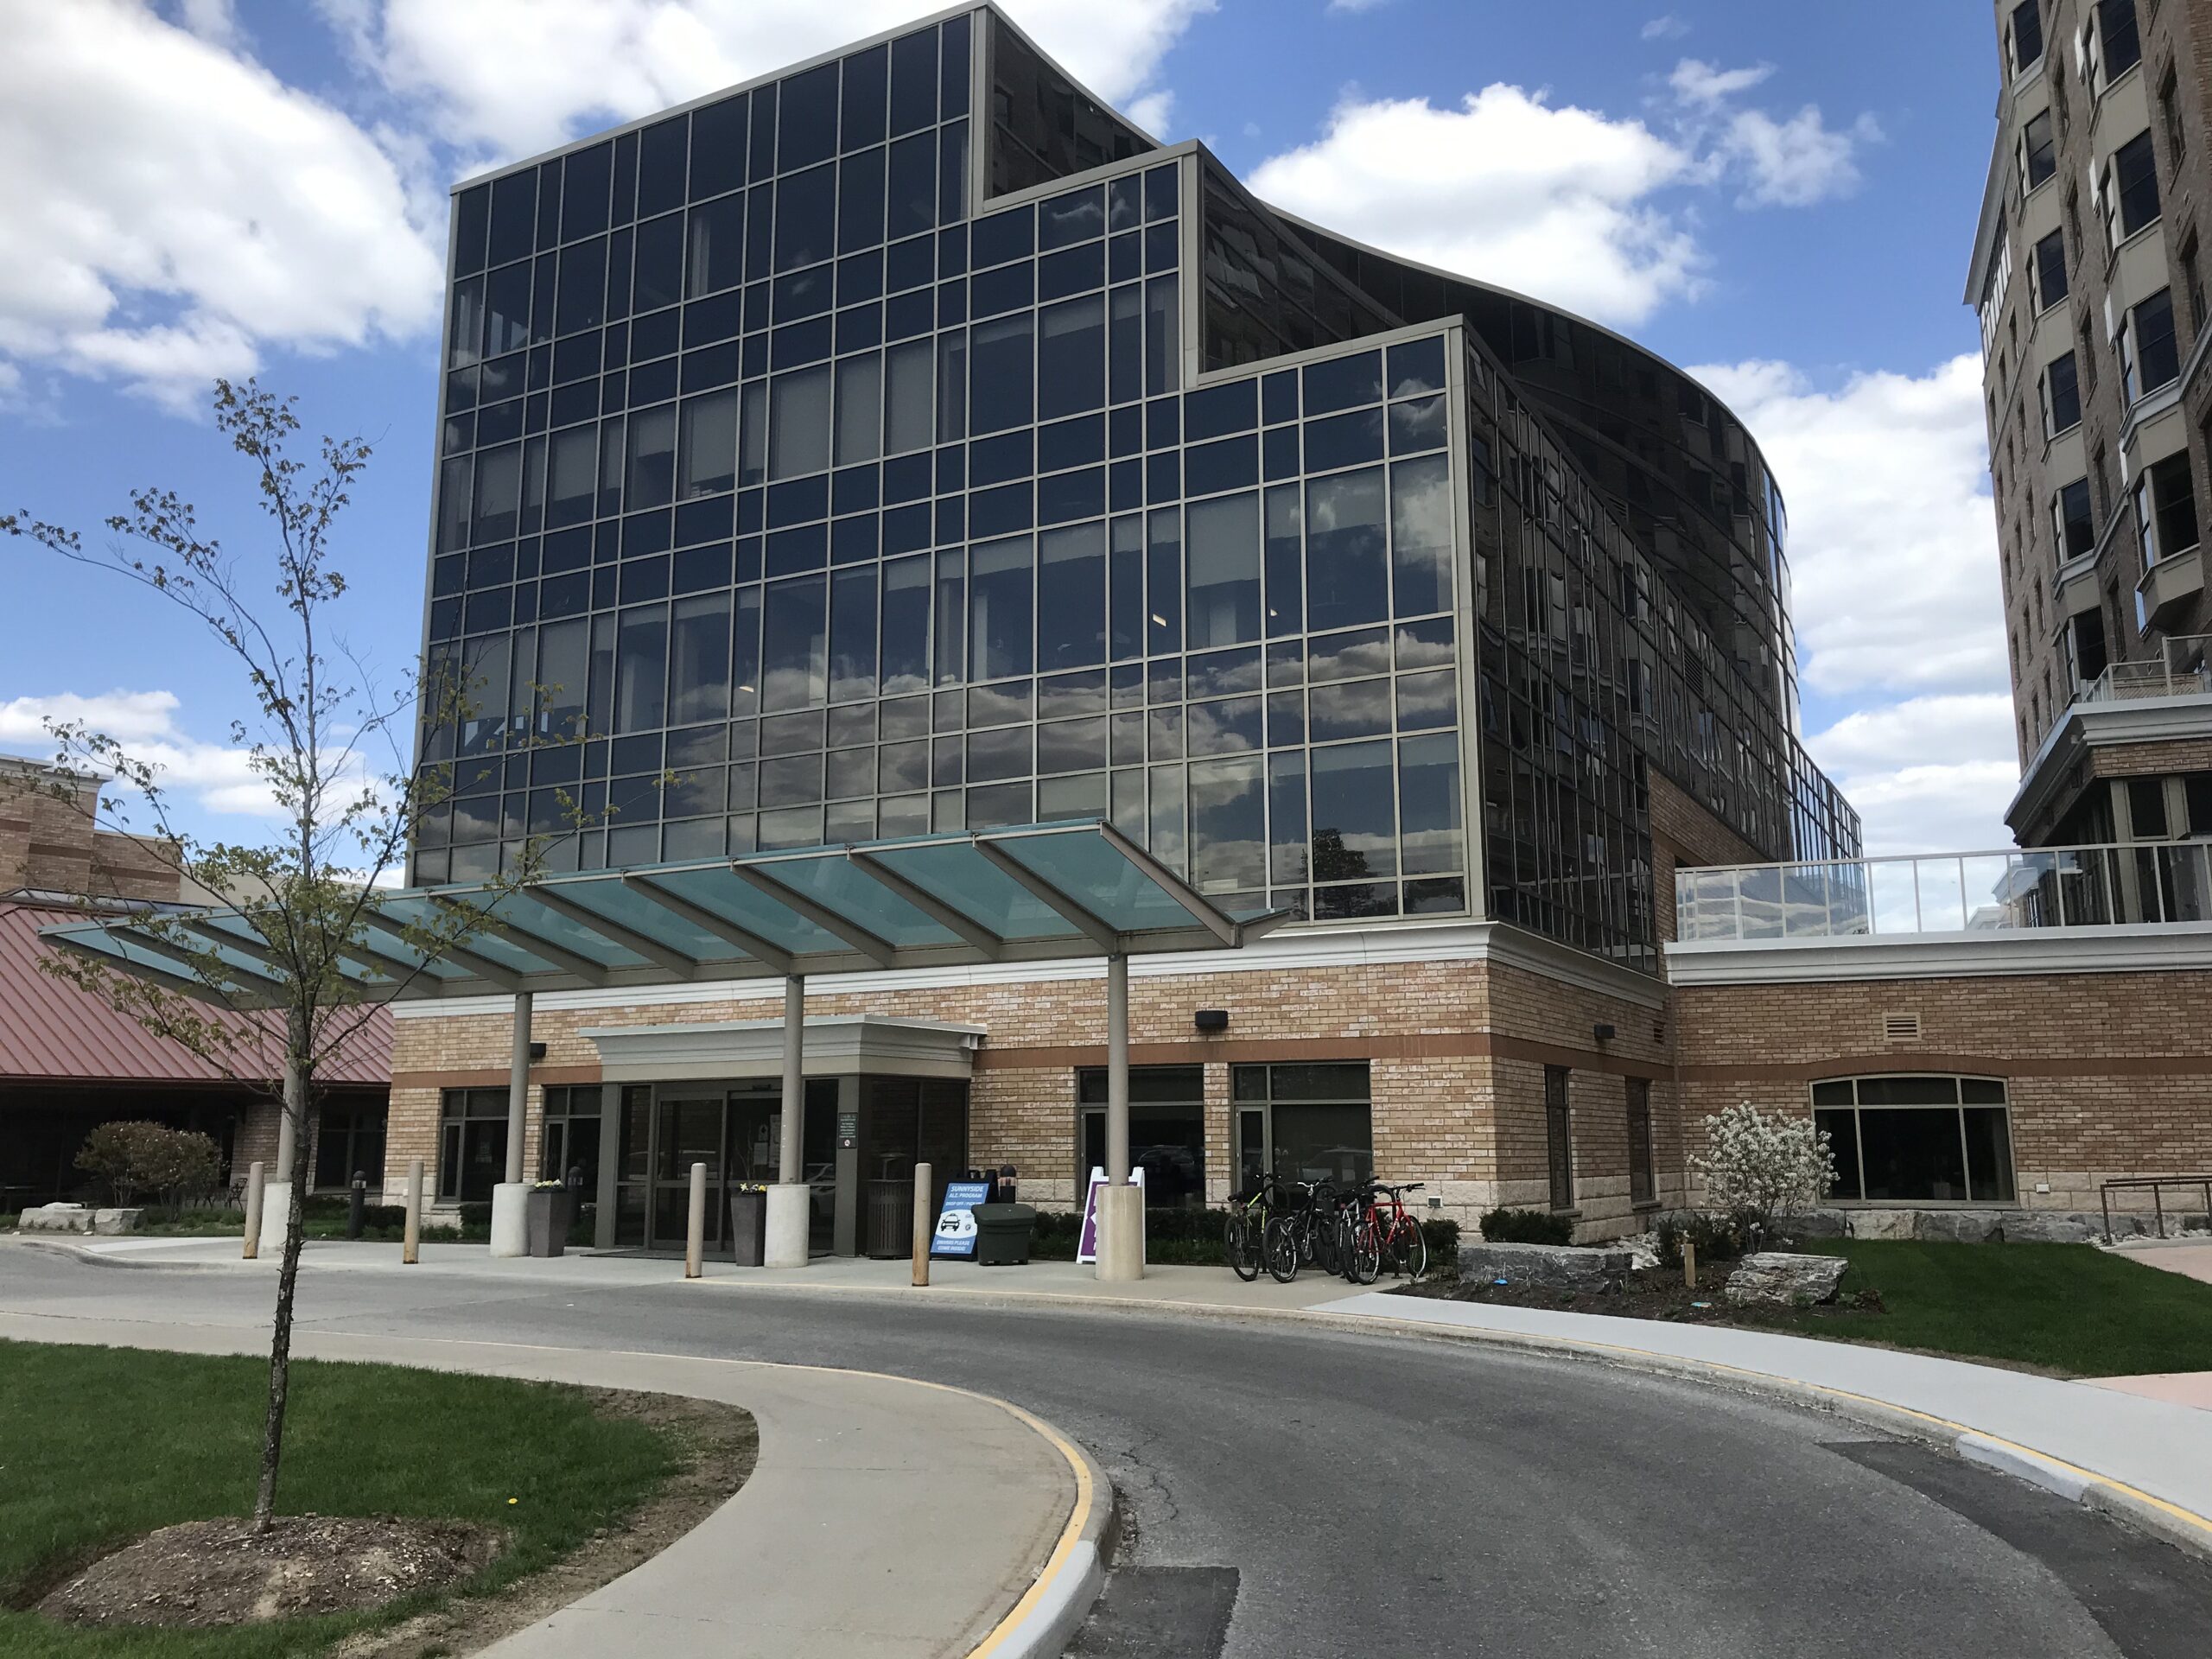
[1029, 893]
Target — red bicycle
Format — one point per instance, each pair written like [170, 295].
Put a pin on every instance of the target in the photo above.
[1379, 1235]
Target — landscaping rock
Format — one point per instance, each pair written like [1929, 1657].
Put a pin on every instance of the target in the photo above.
[116, 1221]
[1568, 1266]
[55, 1218]
[1812, 1223]
[2058, 1227]
[1779, 1276]
[1960, 1226]
[1882, 1224]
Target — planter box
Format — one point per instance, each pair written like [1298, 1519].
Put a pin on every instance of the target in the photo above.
[748, 1228]
[546, 1215]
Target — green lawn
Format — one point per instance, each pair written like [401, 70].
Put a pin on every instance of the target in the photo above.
[2070, 1307]
[99, 1444]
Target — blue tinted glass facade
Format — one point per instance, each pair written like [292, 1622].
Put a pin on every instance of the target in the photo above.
[832, 479]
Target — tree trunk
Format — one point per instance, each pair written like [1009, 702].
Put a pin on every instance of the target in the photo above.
[288, 1275]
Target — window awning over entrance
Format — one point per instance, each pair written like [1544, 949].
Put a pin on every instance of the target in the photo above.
[1033, 893]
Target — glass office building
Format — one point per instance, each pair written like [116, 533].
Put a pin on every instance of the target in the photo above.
[906, 443]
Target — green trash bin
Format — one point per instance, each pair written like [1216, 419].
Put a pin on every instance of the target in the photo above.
[1002, 1234]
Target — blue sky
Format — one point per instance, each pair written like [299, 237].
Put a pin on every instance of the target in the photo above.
[1780, 197]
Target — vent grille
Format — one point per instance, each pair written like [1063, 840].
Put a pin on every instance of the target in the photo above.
[1900, 1027]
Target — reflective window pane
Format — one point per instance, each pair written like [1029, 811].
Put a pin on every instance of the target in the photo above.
[1221, 559]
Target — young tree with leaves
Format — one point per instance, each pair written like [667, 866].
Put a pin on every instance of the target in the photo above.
[276, 980]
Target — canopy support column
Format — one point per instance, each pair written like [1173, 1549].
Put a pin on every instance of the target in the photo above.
[1120, 1205]
[510, 1199]
[791, 1200]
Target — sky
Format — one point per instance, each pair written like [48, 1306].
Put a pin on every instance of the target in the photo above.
[1775, 197]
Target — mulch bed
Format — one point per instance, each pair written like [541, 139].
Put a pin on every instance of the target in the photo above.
[1645, 1293]
[222, 1572]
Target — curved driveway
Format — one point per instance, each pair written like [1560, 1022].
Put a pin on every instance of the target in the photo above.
[1380, 1495]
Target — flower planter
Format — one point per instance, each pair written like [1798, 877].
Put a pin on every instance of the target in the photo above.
[748, 1228]
[547, 1213]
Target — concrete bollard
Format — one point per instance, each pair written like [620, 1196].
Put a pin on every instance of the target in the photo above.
[694, 1227]
[411, 1247]
[923, 1226]
[255, 1177]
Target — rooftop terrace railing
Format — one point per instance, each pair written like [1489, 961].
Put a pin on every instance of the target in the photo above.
[2182, 668]
[2111, 886]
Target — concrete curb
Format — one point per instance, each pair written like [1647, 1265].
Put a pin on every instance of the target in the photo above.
[1047, 1617]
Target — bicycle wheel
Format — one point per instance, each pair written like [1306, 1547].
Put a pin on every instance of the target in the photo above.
[1409, 1246]
[1280, 1246]
[1241, 1244]
[1363, 1252]
[1327, 1236]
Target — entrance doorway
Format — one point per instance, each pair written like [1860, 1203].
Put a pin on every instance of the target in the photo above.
[735, 1130]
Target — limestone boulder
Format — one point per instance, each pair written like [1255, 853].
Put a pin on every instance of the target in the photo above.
[56, 1218]
[1960, 1226]
[1570, 1267]
[2057, 1227]
[1882, 1224]
[1784, 1279]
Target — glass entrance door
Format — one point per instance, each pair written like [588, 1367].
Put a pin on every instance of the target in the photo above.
[687, 1130]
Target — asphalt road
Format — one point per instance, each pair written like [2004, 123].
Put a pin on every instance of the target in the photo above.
[1371, 1495]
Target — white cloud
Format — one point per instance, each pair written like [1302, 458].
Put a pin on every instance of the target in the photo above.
[1665, 27]
[1696, 82]
[1893, 549]
[1797, 163]
[144, 722]
[1153, 112]
[506, 78]
[1506, 187]
[168, 208]
[1791, 162]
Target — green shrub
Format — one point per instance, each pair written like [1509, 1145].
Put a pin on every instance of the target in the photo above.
[1503, 1226]
[1442, 1234]
[1717, 1238]
[140, 1156]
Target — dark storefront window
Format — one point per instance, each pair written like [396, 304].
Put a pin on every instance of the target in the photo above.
[1308, 1121]
[1917, 1139]
[568, 1139]
[348, 1139]
[472, 1144]
[1167, 1131]
[1558, 1137]
[1642, 1183]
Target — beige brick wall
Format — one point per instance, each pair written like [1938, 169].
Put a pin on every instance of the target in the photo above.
[2108, 1074]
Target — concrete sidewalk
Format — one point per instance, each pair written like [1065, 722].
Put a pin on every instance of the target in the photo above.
[837, 1545]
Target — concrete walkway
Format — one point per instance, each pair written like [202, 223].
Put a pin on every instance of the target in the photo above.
[837, 1546]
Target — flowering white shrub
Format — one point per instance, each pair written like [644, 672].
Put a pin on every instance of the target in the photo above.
[1757, 1167]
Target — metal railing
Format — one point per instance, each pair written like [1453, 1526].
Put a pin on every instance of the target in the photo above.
[2157, 1184]
[2182, 668]
[2110, 886]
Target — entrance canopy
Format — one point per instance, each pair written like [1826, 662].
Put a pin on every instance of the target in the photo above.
[1027, 893]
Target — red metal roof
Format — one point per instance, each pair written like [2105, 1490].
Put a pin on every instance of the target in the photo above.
[51, 1032]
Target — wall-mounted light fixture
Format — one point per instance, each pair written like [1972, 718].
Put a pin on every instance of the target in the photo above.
[1603, 1033]
[1210, 1019]
[538, 1051]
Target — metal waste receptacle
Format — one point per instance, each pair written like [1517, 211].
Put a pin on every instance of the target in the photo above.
[890, 1220]
[1002, 1233]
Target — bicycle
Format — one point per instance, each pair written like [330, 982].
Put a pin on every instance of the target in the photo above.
[1244, 1238]
[1307, 1231]
[1375, 1235]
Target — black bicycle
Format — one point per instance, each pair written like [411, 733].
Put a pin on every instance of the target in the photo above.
[1244, 1238]
[1310, 1229]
